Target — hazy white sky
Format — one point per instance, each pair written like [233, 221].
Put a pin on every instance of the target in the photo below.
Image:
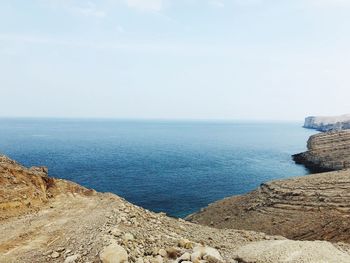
[201, 59]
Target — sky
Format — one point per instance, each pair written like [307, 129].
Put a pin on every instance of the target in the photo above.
[175, 59]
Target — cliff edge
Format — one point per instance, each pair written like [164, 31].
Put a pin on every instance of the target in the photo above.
[326, 151]
[50, 220]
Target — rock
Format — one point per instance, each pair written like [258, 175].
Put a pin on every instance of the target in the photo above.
[312, 207]
[162, 252]
[114, 254]
[326, 152]
[203, 252]
[49, 252]
[116, 232]
[288, 251]
[185, 257]
[173, 252]
[157, 259]
[185, 243]
[72, 259]
[60, 249]
[128, 237]
[55, 254]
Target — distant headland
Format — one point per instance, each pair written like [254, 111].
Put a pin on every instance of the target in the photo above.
[328, 123]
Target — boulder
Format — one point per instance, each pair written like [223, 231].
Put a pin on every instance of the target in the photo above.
[288, 251]
[114, 254]
[203, 252]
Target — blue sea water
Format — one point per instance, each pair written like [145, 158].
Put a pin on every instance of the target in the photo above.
[173, 166]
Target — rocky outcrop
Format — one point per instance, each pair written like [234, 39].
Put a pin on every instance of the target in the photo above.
[69, 223]
[303, 208]
[326, 152]
[25, 190]
[324, 124]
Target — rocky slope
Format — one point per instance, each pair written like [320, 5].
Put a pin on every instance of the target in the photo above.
[326, 151]
[50, 220]
[303, 208]
[323, 123]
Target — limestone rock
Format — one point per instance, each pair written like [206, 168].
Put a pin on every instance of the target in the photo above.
[288, 251]
[128, 237]
[114, 254]
[72, 259]
[185, 243]
[55, 254]
[162, 252]
[185, 257]
[203, 252]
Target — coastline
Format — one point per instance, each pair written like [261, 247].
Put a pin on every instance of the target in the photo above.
[154, 165]
[70, 223]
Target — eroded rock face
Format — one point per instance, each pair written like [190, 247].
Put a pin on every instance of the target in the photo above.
[326, 151]
[314, 207]
[22, 189]
[26, 189]
[324, 123]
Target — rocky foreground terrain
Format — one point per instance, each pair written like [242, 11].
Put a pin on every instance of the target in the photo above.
[323, 123]
[51, 220]
[327, 151]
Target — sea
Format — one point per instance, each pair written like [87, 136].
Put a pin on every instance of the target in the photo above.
[176, 167]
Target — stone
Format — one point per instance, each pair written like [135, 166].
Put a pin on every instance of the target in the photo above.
[128, 237]
[55, 254]
[185, 243]
[173, 252]
[289, 251]
[72, 259]
[114, 254]
[162, 252]
[185, 257]
[60, 249]
[157, 259]
[49, 252]
[116, 232]
[203, 252]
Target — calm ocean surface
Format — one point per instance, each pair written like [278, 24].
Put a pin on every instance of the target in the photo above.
[176, 167]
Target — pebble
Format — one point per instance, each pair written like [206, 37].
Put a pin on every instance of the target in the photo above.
[162, 252]
[128, 237]
[49, 252]
[185, 243]
[72, 259]
[55, 254]
[60, 249]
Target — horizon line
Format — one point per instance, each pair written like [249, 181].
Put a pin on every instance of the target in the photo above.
[151, 119]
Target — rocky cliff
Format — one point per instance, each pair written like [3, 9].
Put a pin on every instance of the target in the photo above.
[51, 220]
[303, 208]
[326, 151]
[323, 123]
